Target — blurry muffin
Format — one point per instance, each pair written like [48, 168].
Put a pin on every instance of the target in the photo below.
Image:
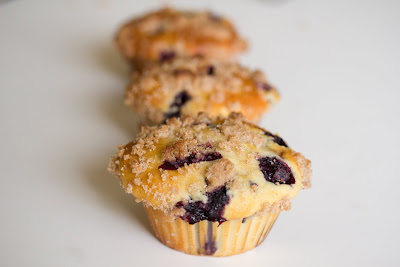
[169, 33]
[187, 86]
[211, 186]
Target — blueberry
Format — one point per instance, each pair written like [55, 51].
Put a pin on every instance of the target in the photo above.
[167, 55]
[264, 86]
[176, 106]
[174, 165]
[277, 139]
[276, 171]
[211, 211]
[211, 70]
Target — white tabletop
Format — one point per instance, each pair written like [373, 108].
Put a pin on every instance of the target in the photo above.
[336, 64]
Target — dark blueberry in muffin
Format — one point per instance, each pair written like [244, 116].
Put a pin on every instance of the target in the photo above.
[179, 204]
[217, 200]
[276, 171]
[167, 55]
[207, 145]
[277, 139]
[211, 211]
[210, 70]
[176, 106]
[193, 158]
[264, 86]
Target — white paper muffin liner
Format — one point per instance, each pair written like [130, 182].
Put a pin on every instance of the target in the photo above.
[211, 238]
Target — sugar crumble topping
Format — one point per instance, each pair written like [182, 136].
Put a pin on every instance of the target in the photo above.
[219, 173]
[305, 169]
[284, 204]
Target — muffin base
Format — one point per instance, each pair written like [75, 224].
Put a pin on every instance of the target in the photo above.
[209, 238]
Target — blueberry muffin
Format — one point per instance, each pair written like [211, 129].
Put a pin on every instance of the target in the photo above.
[168, 33]
[187, 86]
[211, 186]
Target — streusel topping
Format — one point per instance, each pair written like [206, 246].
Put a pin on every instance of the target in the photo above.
[191, 165]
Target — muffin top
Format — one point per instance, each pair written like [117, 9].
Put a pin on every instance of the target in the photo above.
[168, 32]
[198, 168]
[187, 86]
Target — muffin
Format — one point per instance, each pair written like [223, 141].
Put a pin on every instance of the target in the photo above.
[187, 86]
[211, 186]
[168, 33]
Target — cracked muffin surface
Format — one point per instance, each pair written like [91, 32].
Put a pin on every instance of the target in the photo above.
[168, 33]
[199, 168]
[187, 86]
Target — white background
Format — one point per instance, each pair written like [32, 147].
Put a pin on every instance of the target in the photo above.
[336, 64]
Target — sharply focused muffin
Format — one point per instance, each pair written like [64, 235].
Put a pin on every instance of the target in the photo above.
[211, 186]
[187, 86]
[168, 33]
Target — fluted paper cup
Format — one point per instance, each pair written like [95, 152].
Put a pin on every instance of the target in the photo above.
[211, 238]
